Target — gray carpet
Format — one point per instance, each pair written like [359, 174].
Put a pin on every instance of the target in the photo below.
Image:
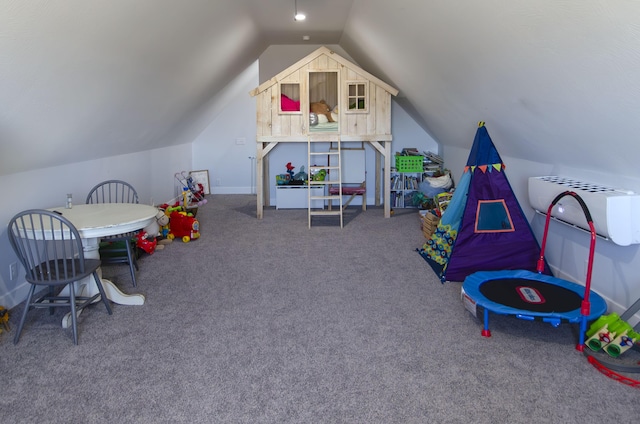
[267, 321]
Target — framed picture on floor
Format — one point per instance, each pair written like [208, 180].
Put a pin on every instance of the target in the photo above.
[201, 177]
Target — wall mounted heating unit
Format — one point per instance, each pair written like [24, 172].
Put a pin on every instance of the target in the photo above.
[615, 212]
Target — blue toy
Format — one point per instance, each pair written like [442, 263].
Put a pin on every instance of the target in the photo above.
[300, 176]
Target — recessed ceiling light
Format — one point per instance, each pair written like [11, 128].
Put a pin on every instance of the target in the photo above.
[306, 37]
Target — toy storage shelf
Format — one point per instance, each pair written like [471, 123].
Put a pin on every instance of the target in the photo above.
[403, 186]
[297, 197]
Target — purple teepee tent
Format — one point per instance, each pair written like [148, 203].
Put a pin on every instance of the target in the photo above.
[483, 228]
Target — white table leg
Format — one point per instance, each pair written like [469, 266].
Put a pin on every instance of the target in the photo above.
[115, 295]
[88, 287]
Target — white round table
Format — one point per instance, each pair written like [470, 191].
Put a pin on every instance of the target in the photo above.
[95, 221]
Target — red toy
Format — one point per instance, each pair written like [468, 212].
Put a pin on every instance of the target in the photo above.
[148, 244]
[184, 226]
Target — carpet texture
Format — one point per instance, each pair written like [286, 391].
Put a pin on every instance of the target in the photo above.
[267, 321]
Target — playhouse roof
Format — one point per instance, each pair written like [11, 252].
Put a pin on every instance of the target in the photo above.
[311, 57]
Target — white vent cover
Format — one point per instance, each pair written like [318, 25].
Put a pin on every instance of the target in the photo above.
[615, 212]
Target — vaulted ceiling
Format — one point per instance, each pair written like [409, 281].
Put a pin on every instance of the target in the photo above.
[557, 82]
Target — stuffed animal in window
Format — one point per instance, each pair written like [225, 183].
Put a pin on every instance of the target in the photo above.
[321, 108]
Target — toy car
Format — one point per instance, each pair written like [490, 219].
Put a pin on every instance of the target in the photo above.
[183, 226]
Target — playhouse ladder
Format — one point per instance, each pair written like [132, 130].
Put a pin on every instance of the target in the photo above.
[333, 171]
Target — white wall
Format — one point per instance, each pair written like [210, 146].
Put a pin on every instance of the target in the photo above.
[406, 133]
[151, 173]
[227, 145]
[615, 269]
[276, 58]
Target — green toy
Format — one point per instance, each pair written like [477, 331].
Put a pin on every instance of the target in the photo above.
[320, 175]
[611, 333]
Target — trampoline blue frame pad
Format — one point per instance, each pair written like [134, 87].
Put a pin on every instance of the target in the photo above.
[472, 287]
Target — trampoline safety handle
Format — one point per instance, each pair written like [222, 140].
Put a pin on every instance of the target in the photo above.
[586, 306]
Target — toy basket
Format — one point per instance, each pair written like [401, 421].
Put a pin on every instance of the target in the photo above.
[409, 163]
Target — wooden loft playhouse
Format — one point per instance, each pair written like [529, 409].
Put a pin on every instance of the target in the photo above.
[324, 98]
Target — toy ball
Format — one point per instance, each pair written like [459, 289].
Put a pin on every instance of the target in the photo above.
[313, 119]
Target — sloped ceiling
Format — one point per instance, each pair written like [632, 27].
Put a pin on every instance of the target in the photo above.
[557, 82]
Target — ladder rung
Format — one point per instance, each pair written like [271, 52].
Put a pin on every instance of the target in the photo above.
[322, 183]
[323, 153]
[328, 197]
[326, 212]
[312, 167]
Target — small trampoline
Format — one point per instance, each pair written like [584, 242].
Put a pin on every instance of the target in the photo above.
[535, 296]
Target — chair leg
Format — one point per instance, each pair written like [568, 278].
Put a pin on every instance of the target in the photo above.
[27, 305]
[74, 317]
[133, 264]
[103, 295]
[134, 255]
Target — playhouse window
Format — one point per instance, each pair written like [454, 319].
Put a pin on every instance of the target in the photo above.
[492, 216]
[357, 96]
[289, 97]
[323, 100]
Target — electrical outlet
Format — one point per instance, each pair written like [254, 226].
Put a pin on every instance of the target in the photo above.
[13, 271]
[218, 181]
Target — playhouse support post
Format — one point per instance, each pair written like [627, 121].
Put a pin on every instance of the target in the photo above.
[259, 180]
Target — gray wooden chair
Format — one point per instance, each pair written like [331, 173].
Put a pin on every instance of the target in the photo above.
[121, 248]
[50, 250]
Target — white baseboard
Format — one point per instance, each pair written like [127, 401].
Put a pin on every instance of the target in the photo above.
[16, 296]
[232, 190]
